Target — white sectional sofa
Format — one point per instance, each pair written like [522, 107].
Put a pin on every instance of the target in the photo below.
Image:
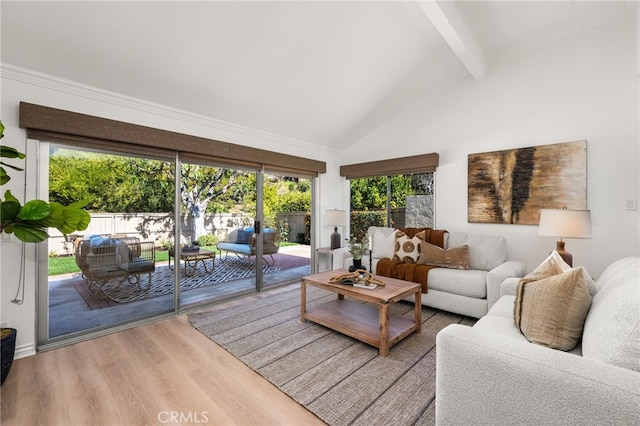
[468, 292]
[490, 374]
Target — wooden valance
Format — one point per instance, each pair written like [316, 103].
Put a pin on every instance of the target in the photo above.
[56, 125]
[424, 163]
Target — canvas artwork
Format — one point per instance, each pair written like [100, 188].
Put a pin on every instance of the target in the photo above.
[512, 186]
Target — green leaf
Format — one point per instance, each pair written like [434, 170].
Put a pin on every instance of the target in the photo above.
[29, 234]
[1, 130]
[10, 166]
[35, 210]
[74, 217]
[79, 204]
[8, 211]
[8, 196]
[55, 217]
[84, 220]
[10, 152]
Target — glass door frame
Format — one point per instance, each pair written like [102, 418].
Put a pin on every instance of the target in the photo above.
[38, 152]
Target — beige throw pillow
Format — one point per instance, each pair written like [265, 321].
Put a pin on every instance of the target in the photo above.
[454, 258]
[554, 264]
[551, 311]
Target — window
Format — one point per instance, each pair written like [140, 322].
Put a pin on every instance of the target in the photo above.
[397, 193]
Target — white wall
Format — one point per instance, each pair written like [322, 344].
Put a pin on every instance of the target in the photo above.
[23, 85]
[582, 87]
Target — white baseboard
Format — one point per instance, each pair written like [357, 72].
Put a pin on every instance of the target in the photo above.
[24, 351]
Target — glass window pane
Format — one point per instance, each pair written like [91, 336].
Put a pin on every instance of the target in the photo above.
[412, 200]
[108, 274]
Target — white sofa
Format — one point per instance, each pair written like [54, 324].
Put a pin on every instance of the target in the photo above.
[491, 374]
[467, 292]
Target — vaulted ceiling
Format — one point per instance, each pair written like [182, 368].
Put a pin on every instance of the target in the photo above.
[315, 71]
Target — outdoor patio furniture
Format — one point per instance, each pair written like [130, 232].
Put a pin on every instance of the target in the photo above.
[192, 257]
[103, 259]
[243, 244]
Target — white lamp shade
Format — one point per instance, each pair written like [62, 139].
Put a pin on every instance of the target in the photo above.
[565, 223]
[335, 217]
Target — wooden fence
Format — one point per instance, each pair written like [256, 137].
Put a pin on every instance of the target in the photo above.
[158, 227]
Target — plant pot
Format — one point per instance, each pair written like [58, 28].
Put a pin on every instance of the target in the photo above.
[357, 264]
[7, 350]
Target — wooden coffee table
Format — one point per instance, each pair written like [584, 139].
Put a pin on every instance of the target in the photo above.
[369, 322]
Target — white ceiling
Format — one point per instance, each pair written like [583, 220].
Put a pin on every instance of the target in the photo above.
[316, 71]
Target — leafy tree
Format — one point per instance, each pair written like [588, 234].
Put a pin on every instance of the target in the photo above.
[369, 194]
[199, 185]
[118, 183]
[113, 183]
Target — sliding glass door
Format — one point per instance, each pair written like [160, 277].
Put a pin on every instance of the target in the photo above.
[167, 233]
[114, 272]
[287, 230]
[217, 241]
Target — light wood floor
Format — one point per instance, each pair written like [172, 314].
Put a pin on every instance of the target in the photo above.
[160, 373]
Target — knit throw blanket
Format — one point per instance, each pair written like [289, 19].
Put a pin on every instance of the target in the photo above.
[413, 272]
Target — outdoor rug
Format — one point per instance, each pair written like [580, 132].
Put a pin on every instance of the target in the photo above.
[227, 268]
[341, 380]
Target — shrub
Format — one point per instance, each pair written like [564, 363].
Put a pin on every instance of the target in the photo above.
[208, 240]
[283, 230]
[362, 220]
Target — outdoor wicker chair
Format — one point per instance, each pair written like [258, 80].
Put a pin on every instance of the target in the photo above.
[104, 259]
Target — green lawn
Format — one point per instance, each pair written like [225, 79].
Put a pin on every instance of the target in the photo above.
[67, 264]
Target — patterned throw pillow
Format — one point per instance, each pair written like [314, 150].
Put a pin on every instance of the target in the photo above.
[408, 249]
[454, 258]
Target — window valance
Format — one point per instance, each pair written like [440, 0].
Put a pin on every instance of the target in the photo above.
[423, 163]
[56, 125]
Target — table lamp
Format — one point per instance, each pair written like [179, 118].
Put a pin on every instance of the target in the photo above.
[335, 218]
[564, 223]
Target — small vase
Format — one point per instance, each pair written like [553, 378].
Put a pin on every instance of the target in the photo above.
[357, 264]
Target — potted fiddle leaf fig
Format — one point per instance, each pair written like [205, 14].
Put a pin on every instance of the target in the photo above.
[29, 222]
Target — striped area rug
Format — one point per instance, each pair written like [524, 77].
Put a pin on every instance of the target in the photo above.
[226, 269]
[341, 380]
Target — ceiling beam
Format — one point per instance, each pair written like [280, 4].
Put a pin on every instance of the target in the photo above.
[447, 20]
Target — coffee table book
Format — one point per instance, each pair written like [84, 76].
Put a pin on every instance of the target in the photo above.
[363, 313]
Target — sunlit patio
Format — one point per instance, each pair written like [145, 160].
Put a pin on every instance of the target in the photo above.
[73, 307]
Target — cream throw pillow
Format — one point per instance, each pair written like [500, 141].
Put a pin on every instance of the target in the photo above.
[454, 258]
[383, 246]
[554, 264]
[407, 249]
[551, 311]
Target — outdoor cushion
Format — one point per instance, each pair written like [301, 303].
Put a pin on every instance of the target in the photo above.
[236, 248]
[244, 235]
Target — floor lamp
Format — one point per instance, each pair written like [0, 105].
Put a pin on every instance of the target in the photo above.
[563, 223]
[335, 218]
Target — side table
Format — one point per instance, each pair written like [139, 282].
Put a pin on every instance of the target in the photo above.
[326, 251]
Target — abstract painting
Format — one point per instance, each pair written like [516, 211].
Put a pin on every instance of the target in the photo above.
[512, 186]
